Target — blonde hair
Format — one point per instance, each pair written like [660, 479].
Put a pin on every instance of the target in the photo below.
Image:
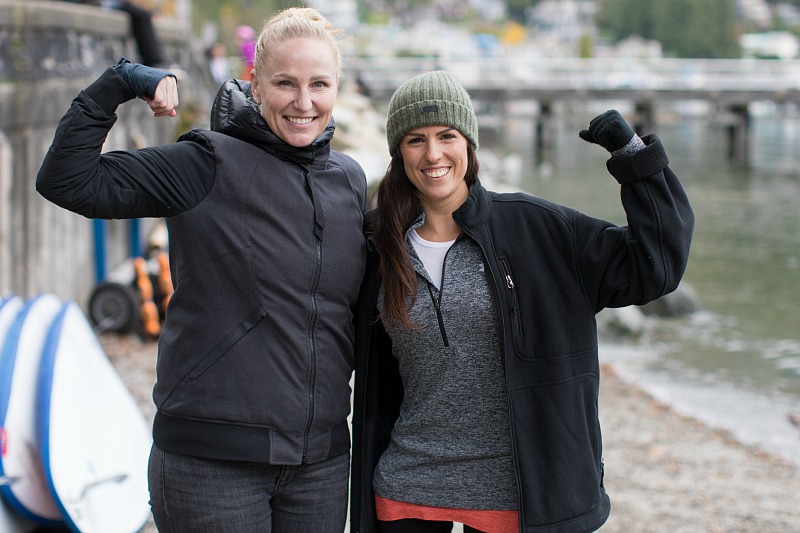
[297, 22]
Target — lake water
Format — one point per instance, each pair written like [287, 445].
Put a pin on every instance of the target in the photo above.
[736, 363]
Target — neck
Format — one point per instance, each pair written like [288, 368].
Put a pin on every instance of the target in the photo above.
[439, 227]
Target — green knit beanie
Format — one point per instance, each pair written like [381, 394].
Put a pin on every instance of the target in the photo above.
[430, 99]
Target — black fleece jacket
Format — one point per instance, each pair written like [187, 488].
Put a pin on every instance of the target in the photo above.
[551, 270]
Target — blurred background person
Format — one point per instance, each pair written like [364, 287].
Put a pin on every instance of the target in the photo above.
[246, 41]
[218, 63]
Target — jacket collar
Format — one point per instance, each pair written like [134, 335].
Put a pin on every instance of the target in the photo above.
[472, 213]
[475, 210]
[235, 113]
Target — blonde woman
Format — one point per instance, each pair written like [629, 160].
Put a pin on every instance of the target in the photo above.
[266, 254]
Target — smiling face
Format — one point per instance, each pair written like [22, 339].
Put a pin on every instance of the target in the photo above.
[435, 161]
[296, 87]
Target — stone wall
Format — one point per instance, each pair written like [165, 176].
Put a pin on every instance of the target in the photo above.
[49, 51]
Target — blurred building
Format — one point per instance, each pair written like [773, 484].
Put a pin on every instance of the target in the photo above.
[773, 44]
[567, 18]
[340, 13]
[757, 11]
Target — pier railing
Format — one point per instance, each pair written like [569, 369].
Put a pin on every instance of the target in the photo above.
[730, 86]
[729, 81]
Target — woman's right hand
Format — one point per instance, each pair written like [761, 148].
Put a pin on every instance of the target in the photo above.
[155, 86]
[165, 98]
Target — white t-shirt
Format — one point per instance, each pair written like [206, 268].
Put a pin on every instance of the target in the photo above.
[432, 255]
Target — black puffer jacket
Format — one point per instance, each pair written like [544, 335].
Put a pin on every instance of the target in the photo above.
[266, 256]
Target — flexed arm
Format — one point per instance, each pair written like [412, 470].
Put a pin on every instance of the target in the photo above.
[155, 181]
[637, 263]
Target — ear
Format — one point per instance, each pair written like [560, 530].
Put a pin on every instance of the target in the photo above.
[254, 87]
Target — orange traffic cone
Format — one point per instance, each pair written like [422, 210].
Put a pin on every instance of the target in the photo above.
[164, 281]
[148, 309]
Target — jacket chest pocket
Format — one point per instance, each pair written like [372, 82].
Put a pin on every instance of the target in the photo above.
[513, 303]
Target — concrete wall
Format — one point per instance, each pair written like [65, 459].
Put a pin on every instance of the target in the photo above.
[49, 51]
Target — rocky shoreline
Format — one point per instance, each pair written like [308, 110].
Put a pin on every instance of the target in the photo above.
[665, 472]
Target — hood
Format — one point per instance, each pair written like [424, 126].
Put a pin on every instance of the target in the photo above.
[235, 113]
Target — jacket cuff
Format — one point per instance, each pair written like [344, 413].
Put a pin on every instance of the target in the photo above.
[110, 91]
[642, 164]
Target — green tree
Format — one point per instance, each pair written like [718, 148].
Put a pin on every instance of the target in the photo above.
[685, 28]
[619, 19]
[698, 28]
[227, 14]
[518, 8]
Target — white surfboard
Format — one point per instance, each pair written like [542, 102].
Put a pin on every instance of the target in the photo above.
[28, 495]
[94, 439]
[10, 520]
[9, 309]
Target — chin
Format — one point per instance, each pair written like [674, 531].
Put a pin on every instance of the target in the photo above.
[299, 142]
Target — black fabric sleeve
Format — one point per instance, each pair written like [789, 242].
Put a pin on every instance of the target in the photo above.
[150, 182]
[637, 263]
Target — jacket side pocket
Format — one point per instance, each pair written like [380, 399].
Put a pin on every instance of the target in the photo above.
[229, 340]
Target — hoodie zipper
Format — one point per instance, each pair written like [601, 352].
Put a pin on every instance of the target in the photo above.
[437, 304]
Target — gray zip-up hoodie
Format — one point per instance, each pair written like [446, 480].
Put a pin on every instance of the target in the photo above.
[452, 438]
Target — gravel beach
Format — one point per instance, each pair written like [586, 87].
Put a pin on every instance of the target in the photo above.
[664, 472]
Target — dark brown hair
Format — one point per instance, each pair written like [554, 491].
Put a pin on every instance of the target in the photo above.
[398, 206]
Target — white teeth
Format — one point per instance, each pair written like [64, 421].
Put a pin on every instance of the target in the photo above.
[438, 173]
[300, 120]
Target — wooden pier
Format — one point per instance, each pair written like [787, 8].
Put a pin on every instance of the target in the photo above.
[730, 86]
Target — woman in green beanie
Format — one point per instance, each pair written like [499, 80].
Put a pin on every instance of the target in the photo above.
[477, 373]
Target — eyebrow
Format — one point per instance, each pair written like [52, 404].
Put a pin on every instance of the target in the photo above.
[437, 133]
[286, 76]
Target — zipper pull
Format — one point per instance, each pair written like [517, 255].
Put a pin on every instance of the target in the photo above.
[509, 281]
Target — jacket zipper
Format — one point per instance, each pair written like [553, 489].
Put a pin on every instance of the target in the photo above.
[502, 333]
[512, 296]
[312, 321]
[312, 371]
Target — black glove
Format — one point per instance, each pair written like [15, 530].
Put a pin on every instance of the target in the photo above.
[142, 79]
[609, 130]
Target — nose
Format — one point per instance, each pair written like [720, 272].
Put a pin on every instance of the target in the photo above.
[302, 99]
[432, 151]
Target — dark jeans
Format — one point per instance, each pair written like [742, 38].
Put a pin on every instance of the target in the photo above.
[413, 525]
[193, 495]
